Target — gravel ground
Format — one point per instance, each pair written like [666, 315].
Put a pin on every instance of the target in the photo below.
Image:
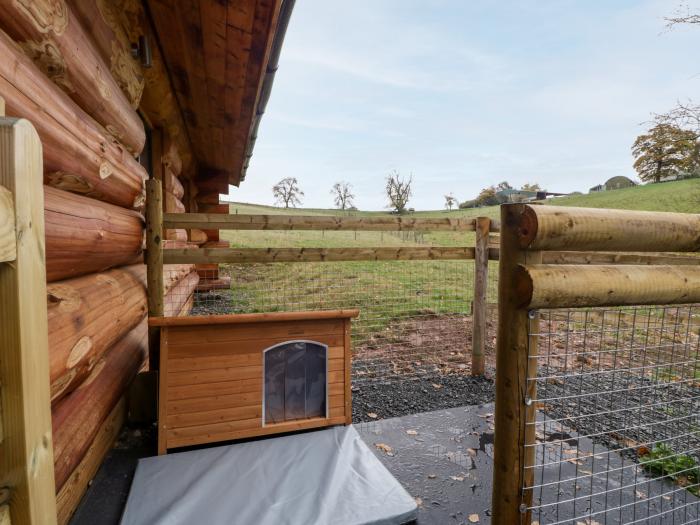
[400, 397]
[629, 412]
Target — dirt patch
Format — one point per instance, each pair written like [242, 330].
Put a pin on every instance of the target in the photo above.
[419, 346]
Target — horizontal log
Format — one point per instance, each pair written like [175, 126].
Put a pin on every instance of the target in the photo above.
[217, 221]
[169, 245]
[570, 257]
[588, 229]
[87, 315]
[270, 255]
[268, 317]
[171, 156]
[220, 283]
[174, 185]
[78, 156]
[58, 44]
[176, 299]
[176, 235]
[111, 42]
[68, 498]
[8, 241]
[198, 236]
[208, 198]
[85, 236]
[174, 273]
[574, 286]
[78, 417]
[172, 203]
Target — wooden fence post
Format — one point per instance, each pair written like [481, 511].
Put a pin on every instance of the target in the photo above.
[154, 262]
[513, 390]
[481, 279]
[26, 450]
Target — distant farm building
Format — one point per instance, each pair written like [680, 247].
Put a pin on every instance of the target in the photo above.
[614, 183]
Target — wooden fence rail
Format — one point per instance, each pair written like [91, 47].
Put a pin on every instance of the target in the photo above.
[26, 450]
[212, 221]
[271, 255]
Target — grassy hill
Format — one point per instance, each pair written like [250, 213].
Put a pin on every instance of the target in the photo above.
[681, 196]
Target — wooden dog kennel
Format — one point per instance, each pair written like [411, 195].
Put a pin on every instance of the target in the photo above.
[225, 377]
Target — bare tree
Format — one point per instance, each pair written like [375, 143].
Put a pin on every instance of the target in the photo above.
[343, 195]
[450, 200]
[398, 191]
[683, 15]
[685, 115]
[287, 192]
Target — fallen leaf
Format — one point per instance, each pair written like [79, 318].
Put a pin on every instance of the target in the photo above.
[431, 476]
[486, 415]
[372, 415]
[419, 501]
[457, 478]
[383, 447]
[412, 432]
[471, 452]
[436, 386]
[473, 518]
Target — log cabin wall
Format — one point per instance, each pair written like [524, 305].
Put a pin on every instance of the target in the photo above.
[67, 67]
[190, 96]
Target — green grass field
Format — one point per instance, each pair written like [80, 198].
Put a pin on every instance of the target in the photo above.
[390, 290]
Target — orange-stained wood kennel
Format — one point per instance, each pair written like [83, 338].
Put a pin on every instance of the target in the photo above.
[225, 377]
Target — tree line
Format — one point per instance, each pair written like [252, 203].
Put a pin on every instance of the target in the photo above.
[398, 191]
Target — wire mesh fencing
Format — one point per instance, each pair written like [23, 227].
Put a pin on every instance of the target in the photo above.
[415, 316]
[617, 433]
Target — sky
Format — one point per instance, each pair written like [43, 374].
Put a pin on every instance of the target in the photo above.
[463, 94]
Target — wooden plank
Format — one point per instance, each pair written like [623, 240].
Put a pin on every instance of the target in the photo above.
[8, 243]
[347, 379]
[219, 350]
[26, 452]
[230, 359]
[513, 389]
[336, 365]
[271, 255]
[228, 431]
[481, 276]
[283, 330]
[204, 416]
[574, 286]
[198, 377]
[583, 229]
[209, 221]
[268, 317]
[177, 393]
[163, 391]
[73, 489]
[187, 406]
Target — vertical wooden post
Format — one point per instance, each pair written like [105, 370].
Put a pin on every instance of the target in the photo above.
[26, 450]
[481, 279]
[513, 392]
[154, 262]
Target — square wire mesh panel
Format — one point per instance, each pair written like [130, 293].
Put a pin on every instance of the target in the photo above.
[617, 433]
[415, 316]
